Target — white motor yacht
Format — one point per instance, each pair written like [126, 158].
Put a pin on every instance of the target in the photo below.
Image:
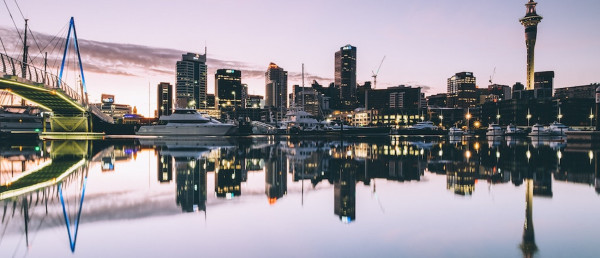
[558, 129]
[539, 130]
[187, 122]
[425, 125]
[494, 130]
[513, 130]
[455, 131]
[298, 119]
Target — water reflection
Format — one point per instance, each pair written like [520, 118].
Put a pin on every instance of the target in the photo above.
[43, 185]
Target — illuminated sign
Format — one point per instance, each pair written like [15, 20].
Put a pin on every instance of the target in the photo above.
[106, 98]
[230, 71]
[347, 47]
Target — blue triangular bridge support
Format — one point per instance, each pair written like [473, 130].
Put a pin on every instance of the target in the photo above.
[66, 51]
[72, 235]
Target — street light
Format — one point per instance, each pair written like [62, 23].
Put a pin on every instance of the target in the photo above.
[234, 105]
[591, 118]
[528, 118]
[498, 119]
[468, 116]
[442, 121]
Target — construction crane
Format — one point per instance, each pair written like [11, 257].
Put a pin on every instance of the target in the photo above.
[492, 76]
[376, 73]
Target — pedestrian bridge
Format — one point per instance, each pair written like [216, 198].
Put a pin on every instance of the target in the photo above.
[70, 110]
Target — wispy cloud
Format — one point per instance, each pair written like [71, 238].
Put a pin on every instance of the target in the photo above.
[130, 59]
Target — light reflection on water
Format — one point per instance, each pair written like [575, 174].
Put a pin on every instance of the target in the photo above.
[299, 197]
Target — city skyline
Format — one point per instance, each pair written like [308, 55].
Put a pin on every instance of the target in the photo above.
[424, 43]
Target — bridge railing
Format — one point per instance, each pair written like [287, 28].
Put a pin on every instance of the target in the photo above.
[14, 67]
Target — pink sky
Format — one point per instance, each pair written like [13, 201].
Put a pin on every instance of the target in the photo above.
[424, 42]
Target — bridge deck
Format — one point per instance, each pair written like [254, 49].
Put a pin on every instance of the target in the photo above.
[46, 176]
[54, 100]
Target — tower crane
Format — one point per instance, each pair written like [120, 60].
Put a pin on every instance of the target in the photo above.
[376, 73]
[492, 76]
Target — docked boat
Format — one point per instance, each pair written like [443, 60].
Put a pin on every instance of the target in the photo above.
[455, 131]
[539, 130]
[425, 125]
[298, 120]
[513, 130]
[558, 129]
[494, 130]
[187, 122]
[20, 121]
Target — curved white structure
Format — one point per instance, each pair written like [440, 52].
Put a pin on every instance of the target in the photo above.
[187, 122]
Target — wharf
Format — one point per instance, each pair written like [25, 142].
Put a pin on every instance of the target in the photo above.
[71, 136]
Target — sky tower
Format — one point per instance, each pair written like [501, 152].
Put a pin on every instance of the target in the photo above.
[530, 21]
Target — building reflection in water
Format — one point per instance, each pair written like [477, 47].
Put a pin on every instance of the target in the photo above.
[228, 174]
[275, 174]
[165, 168]
[341, 164]
[191, 183]
[528, 246]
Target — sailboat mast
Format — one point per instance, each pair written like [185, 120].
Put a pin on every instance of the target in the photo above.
[302, 86]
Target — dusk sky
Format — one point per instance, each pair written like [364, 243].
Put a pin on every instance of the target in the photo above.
[128, 44]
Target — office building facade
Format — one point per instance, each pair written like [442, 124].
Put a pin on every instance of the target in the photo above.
[276, 87]
[345, 73]
[462, 90]
[228, 89]
[191, 81]
[165, 99]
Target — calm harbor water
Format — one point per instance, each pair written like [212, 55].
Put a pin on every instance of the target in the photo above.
[273, 197]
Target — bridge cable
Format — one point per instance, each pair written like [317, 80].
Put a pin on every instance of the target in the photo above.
[13, 21]
[54, 64]
[55, 37]
[3, 47]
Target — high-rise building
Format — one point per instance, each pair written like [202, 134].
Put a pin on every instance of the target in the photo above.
[165, 99]
[544, 85]
[345, 73]
[191, 81]
[462, 91]
[276, 87]
[228, 88]
[530, 21]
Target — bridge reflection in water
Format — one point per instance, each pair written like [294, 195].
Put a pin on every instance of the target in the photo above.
[61, 173]
[60, 176]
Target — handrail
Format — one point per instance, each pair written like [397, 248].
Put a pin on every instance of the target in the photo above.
[48, 80]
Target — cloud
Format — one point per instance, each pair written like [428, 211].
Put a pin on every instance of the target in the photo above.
[127, 59]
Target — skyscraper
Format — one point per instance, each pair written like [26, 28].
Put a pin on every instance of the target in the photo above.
[165, 99]
[276, 87]
[543, 85]
[191, 81]
[530, 21]
[462, 90]
[228, 88]
[345, 72]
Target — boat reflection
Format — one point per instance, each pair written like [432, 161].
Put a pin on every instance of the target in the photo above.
[48, 179]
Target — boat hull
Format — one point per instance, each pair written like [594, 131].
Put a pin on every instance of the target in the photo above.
[188, 130]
